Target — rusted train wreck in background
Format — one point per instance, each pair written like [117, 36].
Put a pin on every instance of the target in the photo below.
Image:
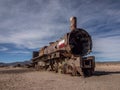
[68, 54]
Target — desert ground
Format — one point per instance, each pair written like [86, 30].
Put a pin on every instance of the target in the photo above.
[106, 77]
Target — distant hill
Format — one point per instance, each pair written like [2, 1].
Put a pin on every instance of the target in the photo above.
[108, 63]
[2, 64]
[15, 63]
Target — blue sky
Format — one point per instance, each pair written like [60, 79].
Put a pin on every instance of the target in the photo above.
[27, 25]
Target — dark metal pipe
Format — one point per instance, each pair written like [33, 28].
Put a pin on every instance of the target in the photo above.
[73, 23]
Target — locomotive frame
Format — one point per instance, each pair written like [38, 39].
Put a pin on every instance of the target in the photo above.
[67, 55]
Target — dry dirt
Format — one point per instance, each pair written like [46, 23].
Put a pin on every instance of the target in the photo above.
[106, 77]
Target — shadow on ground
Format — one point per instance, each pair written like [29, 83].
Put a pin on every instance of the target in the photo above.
[100, 73]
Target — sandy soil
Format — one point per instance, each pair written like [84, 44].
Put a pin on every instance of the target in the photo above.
[106, 77]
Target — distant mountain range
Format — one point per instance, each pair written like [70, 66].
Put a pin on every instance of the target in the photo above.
[15, 63]
[108, 62]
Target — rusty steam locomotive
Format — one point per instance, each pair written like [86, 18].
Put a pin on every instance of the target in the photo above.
[68, 54]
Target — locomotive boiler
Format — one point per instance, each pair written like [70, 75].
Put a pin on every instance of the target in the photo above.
[68, 54]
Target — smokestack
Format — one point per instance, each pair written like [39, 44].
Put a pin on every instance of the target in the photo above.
[73, 23]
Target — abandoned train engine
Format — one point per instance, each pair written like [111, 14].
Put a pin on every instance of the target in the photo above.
[68, 54]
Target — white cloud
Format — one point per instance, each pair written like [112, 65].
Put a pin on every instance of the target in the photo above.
[3, 49]
[28, 29]
[107, 47]
[19, 52]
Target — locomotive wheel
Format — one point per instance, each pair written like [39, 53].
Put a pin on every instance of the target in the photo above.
[46, 67]
[36, 67]
[64, 69]
[70, 69]
[80, 71]
[67, 69]
[73, 70]
[59, 67]
[56, 67]
[49, 68]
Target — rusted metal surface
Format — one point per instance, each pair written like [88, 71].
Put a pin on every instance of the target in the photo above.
[35, 54]
[67, 55]
[73, 23]
[80, 42]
